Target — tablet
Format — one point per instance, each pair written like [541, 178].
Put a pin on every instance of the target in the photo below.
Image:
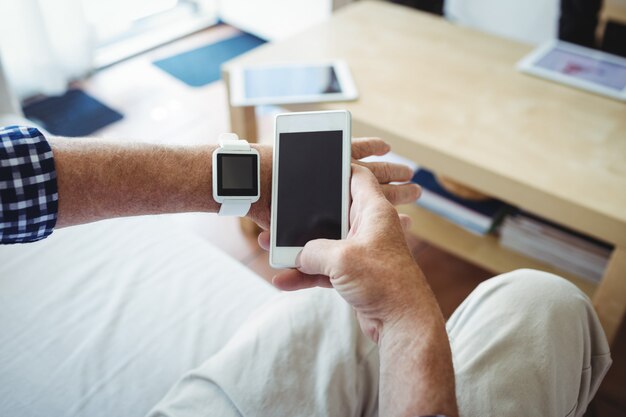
[291, 83]
[580, 67]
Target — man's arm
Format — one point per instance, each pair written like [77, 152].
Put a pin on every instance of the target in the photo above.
[374, 271]
[416, 373]
[62, 182]
[100, 179]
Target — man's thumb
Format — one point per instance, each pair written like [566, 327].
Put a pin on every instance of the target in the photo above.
[317, 256]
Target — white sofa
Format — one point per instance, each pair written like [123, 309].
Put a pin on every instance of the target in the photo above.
[102, 319]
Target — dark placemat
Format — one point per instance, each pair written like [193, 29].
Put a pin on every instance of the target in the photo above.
[201, 66]
[75, 113]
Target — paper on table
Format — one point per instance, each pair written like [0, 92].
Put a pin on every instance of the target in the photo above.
[394, 158]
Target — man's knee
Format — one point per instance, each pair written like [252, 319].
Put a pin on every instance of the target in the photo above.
[526, 303]
[543, 306]
[527, 328]
[526, 289]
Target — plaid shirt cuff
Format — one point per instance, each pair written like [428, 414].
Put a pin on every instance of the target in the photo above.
[28, 186]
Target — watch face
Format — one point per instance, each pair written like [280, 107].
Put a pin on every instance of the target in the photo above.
[237, 175]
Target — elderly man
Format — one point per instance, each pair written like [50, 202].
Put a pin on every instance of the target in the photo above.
[524, 343]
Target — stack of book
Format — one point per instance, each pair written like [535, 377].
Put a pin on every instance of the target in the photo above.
[555, 245]
[477, 216]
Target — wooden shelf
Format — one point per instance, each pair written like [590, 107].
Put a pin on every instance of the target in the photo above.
[484, 251]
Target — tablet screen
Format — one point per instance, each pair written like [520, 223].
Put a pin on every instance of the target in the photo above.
[588, 68]
[290, 81]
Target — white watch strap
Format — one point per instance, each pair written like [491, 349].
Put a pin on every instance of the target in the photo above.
[234, 208]
[231, 142]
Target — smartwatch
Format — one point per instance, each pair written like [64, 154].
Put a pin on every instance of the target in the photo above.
[236, 175]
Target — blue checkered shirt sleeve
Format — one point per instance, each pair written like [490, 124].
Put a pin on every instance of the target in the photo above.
[28, 186]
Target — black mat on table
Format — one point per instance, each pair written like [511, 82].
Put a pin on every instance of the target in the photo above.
[75, 113]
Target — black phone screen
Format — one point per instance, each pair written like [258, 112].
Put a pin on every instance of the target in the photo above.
[309, 187]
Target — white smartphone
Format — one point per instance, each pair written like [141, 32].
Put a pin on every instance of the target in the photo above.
[310, 181]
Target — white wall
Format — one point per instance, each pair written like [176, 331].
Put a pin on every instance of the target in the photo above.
[529, 21]
[275, 19]
[8, 102]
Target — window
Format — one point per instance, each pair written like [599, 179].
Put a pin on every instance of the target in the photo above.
[122, 28]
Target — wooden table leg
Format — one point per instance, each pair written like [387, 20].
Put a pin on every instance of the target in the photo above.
[609, 299]
[242, 119]
[243, 123]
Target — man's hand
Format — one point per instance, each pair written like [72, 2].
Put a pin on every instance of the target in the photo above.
[373, 270]
[361, 148]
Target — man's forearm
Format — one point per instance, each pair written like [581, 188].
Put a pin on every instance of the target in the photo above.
[101, 179]
[416, 372]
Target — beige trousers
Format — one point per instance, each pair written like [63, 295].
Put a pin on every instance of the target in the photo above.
[526, 343]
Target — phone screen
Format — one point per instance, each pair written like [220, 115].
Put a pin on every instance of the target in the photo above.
[309, 187]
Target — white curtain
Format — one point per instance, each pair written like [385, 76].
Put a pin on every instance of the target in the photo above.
[44, 44]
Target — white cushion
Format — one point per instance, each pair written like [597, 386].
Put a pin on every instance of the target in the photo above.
[102, 319]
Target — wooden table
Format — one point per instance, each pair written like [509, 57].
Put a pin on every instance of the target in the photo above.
[450, 99]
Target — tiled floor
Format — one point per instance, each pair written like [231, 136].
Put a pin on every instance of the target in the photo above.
[159, 108]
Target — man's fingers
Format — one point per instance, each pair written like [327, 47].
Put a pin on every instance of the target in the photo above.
[292, 280]
[401, 194]
[363, 183]
[387, 172]
[363, 147]
[405, 221]
[264, 240]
